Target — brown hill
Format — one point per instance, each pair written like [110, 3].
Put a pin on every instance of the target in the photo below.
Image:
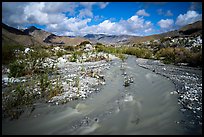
[190, 29]
[34, 36]
[64, 40]
[14, 36]
[49, 38]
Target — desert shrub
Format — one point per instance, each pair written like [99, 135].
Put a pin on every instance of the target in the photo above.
[99, 44]
[60, 53]
[44, 83]
[139, 52]
[17, 68]
[84, 43]
[12, 104]
[195, 59]
[69, 48]
[54, 90]
[122, 57]
[8, 53]
[196, 49]
[180, 55]
[167, 53]
[75, 56]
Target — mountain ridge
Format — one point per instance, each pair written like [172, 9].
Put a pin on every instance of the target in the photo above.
[36, 35]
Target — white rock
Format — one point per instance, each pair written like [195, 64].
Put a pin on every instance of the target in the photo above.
[27, 49]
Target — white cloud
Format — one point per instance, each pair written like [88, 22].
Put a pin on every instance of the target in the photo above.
[102, 5]
[148, 30]
[53, 16]
[71, 25]
[165, 13]
[142, 13]
[188, 18]
[165, 24]
[85, 13]
[89, 5]
[169, 13]
[132, 26]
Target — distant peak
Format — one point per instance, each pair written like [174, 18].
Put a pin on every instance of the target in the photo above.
[33, 28]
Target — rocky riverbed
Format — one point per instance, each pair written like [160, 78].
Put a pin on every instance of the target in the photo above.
[137, 96]
[188, 84]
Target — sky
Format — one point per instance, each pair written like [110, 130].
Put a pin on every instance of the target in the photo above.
[113, 18]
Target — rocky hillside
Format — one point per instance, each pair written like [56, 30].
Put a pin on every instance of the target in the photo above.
[38, 34]
[63, 40]
[52, 39]
[192, 29]
[34, 36]
[14, 36]
[188, 30]
[108, 39]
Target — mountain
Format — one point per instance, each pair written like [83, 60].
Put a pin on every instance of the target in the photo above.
[38, 34]
[191, 29]
[52, 39]
[14, 36]
[35, 36]
[187, 30]
[63, 40]
[108, 39]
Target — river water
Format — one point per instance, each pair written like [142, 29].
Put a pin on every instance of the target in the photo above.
[144, 107]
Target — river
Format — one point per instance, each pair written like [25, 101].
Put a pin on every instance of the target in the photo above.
[144, 107]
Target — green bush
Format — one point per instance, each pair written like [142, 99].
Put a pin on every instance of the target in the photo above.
[139, 52]
[60, 53]
[44, 83]
[54, 90]
[75, 56]
[17, 68]
[8, 53]
[12, 104]
[69, 48]
[180, 55]
[167, 53]
[195, 59]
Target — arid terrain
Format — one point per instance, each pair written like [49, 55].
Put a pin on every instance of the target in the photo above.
[102, 84]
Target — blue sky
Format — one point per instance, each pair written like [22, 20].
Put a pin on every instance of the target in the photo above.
[114, 18]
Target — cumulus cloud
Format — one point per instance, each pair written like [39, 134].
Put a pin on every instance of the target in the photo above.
[169, 13]
[69, 26]
[102, 5]
[142, 13]
[54, 17]
[85, 13]
[165, 24]
[188, 18]
[165, 13]
[132, 26]
[21, 13]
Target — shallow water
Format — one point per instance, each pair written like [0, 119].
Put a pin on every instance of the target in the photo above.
[144, 107]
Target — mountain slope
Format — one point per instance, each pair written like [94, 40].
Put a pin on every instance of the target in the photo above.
[49, 38]
[14, 36]
[108, 39]
[190, 29]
